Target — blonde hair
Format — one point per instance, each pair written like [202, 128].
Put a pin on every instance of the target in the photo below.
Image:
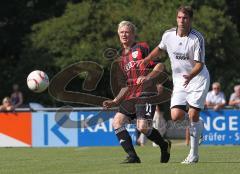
[129, 24]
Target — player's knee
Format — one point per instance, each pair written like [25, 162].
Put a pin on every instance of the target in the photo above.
[116, 124]
[177, 114]
[117, 121]
[174, 117]
[177, 118]
[193, 114]
[143, 130]
[142, 127]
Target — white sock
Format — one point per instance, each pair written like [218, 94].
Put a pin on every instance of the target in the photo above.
[195, 132]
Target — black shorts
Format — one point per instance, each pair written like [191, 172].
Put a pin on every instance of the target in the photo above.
[134, 110]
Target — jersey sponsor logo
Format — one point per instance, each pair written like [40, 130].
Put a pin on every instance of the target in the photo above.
[134, 54]
[181, 56]
[128, 66]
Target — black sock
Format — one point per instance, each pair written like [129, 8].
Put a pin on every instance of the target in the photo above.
[156, 137]
[125, 141]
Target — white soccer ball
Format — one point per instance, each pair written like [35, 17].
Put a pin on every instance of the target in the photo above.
[37, 81]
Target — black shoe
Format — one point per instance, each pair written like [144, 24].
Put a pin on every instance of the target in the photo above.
[130, 159]
[165, 152]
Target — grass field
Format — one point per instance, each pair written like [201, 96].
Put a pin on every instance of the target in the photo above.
[105, 160]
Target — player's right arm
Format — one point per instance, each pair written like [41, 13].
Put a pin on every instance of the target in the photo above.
[156, 52]
[120, 97]
[153, 74]
[118, 84]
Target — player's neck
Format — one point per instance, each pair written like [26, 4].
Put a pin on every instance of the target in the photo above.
[183, 32]
[128, 45]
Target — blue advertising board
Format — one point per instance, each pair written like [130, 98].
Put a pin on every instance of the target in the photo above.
[46, 132]
[94, 128]
[221, 127]
[82, 128]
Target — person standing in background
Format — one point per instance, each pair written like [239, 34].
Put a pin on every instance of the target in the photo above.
[16, 96]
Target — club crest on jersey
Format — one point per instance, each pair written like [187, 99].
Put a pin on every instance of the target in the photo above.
[134, 55]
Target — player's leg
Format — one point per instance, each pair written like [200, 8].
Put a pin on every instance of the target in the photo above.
[178, 105]
[179, 112]
[142, 140]
[144, 124]
[124, 138]
[196, 103]
[187, 136]
[196, 128]
[159, 123]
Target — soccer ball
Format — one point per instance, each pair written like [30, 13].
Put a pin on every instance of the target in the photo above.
[37, 81]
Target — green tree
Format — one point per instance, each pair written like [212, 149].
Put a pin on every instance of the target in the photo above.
[16, 19]
[88, 28]
[221, 39]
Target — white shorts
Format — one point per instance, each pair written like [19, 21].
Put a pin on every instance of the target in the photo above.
[193, 97]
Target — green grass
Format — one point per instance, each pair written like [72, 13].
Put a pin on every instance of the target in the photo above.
[104, 160]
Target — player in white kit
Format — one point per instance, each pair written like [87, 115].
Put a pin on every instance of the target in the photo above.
[185, 47]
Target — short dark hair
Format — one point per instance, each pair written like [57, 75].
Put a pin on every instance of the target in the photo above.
[186, 10]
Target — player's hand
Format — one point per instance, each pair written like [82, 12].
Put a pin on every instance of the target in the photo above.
[141, 80]
[108, 104]
[160, 88]
[187, 78]
[142, 63]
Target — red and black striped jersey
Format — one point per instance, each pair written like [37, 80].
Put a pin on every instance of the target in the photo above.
[131, 72]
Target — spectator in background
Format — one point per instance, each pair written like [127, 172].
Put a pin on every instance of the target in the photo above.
[215, 99]
[6, 105]
[16, 96]
[235, 97]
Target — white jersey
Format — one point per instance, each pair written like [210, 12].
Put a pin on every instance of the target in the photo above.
[214, 98]
[183, 52]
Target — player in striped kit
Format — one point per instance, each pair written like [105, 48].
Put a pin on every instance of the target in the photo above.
[126, 75]
[185, 48]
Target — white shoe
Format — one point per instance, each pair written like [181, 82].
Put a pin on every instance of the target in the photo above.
[190, 160]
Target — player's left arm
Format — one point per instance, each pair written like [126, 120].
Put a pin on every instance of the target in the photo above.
[199, 58]
[195, 71]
